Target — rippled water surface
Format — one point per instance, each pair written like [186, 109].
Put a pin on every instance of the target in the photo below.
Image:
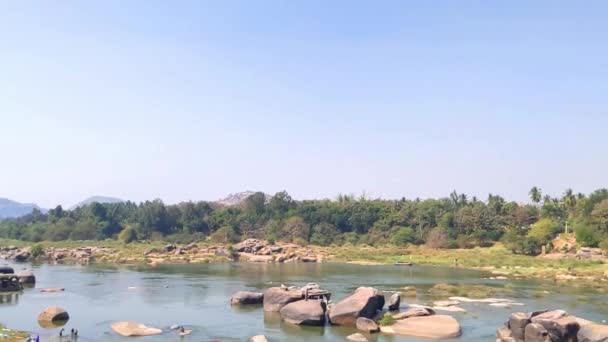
[198, 296]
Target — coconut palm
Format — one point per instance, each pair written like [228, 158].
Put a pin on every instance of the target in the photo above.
[535, 194]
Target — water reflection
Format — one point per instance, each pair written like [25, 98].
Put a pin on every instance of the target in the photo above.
[9, 298]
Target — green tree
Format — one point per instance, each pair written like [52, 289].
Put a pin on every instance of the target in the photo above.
[535, 194]
[403, 236]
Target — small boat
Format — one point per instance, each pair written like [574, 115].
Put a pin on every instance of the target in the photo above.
[403, 264]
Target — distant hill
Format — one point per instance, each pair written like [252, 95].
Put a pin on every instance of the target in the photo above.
[98, 199]
[11, 209]
[237, 198]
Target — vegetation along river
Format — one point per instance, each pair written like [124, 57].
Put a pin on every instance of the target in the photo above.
[198, 297]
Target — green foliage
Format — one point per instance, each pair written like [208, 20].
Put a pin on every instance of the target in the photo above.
[127, 235]
[36, 250]
[403, 236]
[544, 230]
[323, 234]
[387, 319]
[587, 235]
[225, 234]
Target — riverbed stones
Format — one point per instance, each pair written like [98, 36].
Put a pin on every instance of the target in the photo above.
[304, 312]
[129, 328]
[593, 333]
[394, 301]
[414, 312]
[275, 298]
[27, 277]
[504, 335]
[357, 338]
[53, 316]
[247, 298]
[366, 325]
[364, 302]
[435, 326]
[535, 332]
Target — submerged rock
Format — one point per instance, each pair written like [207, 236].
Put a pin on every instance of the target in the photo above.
[258, 338]
[366, 325]
[304, 312]
[27, 277]
[364, 302]
[435, 326]
[357, 338]
[134, 329]
[247, 297]
[53, 317]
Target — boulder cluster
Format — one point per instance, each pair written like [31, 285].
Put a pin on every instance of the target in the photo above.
[82, 255]
[361, 310]
[15, 253]
[550, 326]
[262, 251]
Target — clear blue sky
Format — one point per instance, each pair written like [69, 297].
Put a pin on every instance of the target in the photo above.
[185, 100]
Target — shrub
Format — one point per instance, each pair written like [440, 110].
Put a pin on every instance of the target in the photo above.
[403, 236]
[437, 238]
[225, 234]
[387, 319]
[127, 235]
[586, 236]
[36, 250]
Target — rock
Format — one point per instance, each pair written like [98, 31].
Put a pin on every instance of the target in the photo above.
[134, 329]
[52, 289]
[548, 315]
[304, 312]
[366, 325]
[364, 302]
[436, 326]
[593, 333]
[259, 258]
[517, 323]
[414, 312]
[357, 338]
[21, 256]
[444, 303]
[53, 314]
[504, 335]
[27, 277]
[191, 246]
[170, 248]
[561, 329]
[258, 338]
[249, 246]
[308, 258]
[275, 298]
[276, 249]
[247, 297]
[394, 301]
[535, 332]
[449, 308]
[174, 327]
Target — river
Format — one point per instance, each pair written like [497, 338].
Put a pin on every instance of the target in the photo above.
[198, 297]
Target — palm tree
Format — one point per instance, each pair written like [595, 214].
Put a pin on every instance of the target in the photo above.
[535, 194]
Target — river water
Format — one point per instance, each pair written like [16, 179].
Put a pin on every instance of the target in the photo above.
[198, 297]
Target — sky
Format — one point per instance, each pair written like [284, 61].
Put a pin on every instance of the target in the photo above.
[193, 100]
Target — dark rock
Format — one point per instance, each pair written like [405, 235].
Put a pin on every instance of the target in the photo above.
[27, 277]
[304, 312]
[170, 248]
[275, 298]
[366, 325]
[394, 302]
[364, 302]
[535, 332]
[561, 329]
[21, 256]
[247, 297]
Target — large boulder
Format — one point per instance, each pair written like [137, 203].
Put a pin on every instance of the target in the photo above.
[304, 312]
[21, 256]
[560, 329]
[357, 338]
[364, 302]
[394, 301]
[27, 277]
[517, 324]
[366, 325]
[535, 332]
[275, 298]
[436, 326]
[593, 333]
[53, 317]
[134, 329]
[247, 297]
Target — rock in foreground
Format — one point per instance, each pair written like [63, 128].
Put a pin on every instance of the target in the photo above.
[247, 297]
[27, 277]
[53, 314]
[304, 312]
[364, 302]
[366, 325]
[357, 338]
[394, 302]
[258, 338]
[134, 329]
[436, 326]
[593, 333]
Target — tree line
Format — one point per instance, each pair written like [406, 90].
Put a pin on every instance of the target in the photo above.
[456, 221]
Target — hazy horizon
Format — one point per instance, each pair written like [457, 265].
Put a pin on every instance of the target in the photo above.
[197, 100]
